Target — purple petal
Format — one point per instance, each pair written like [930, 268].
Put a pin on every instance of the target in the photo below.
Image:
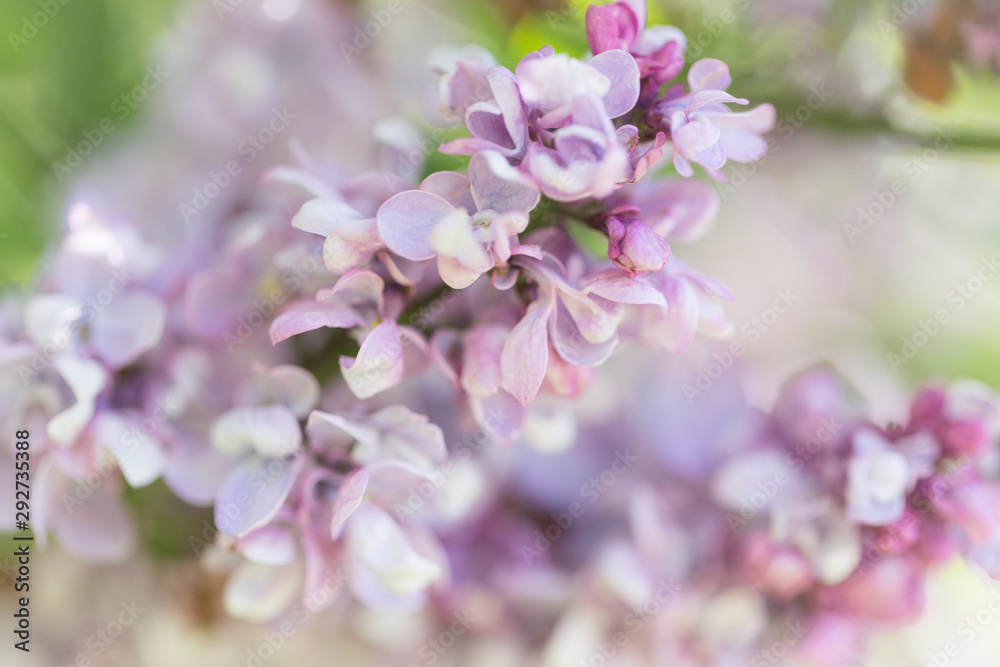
[486, 123]
[621, 69]
[743, 146]
[574, 347]
[195, 473]
[507, 95]
[525, 355]
[86, 379]
[694, 136]
[323, 216]
[614, 286]
[270, 545]
[455, 274]
[129, 326]
[500, 187]
[379, 364]
[452, 187]
[357, 287]
[385, 551]
[410, 436]
[709, 74]
[350, 244]
[302, 316]
[499, 414]
[553, 82]
[612, 26]
[481, 374]
[214, 302]
[269, 430]
[288, 385]
[349, 496]
[139, 456]
[406, 220]
[253, 493]
[98, 530]
[680, 209]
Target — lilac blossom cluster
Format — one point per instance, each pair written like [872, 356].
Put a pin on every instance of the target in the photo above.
[735, 536]
[302, 359]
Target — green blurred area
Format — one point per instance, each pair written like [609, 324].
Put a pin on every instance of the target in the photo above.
[62, 66]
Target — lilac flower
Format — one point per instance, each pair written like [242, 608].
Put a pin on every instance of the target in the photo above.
[689, 305]
[703, 130]
[464, 79]
[550, 83]
[469, 223]
[581, 323]
[499, 124]
[586, 158]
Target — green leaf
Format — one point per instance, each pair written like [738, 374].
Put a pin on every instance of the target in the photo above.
[588, 239]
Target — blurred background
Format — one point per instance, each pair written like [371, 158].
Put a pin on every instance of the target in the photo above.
[876, 214]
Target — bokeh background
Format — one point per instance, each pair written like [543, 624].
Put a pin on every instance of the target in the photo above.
[878, 207]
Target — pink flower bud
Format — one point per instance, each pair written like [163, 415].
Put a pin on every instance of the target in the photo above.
[634, 247]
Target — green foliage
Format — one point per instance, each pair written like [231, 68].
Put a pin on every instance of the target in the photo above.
[60, 74]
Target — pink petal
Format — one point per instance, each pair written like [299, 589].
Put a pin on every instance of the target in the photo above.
[98, 530]
[302, 316]
[615, 286]
[526, 353]
[481, 374]
[621, 69]
[498, 186]
[270, 545]
[709, 74]
[323, 216]
[379, 364]
[406, 220]
[129, 326]
[452, 187]
[455, 274]
[350, 244]
[252, 494]
[574, 347]
[349, 496]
